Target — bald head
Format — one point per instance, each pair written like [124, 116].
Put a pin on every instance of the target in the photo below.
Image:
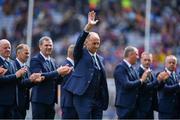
[92, 42]
[171, 62]
[70, 51]
[5, 48]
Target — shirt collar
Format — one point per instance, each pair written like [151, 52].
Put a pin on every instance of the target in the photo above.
[70, 60]
[169, 72]
[129, 65]
[92, 54]
[21, 64]
[45, 58]
[145, 68]
[3, 58]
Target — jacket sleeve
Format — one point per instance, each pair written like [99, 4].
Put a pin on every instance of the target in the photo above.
[36, 67]
[8, 78]
[78, 49]
[121, 76]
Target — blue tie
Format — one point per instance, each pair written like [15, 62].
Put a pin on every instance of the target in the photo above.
[49, 64]
[95, 62]
[8, 65]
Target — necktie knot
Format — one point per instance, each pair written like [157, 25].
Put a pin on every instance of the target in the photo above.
[173, 75]
[131, 68]
[6, 62]
[49, 64]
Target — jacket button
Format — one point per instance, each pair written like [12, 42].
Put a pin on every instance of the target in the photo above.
[89, 81]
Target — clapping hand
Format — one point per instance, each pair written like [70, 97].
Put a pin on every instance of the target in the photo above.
[2, 71]
[64, 70]
[36, 77]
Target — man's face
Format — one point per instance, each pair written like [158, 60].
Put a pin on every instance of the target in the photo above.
[133, 57]
[171, 64]
[23, 55]
[146, 60]
[46, 47]
[5, 49]
[93, 43]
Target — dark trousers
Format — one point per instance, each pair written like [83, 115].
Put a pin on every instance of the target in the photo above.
[6, 111]
[19, 113]
[126, 113]
[174, 115]
[69, 113]
[145, 115]
[42, 111]
[86, 108]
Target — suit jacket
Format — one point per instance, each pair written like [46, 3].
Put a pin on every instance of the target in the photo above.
[127, 86]
[84, 71]
[148, 93]
[23, 86]
[168, 96]
[66, 96]
[46, 91]
[8, 84]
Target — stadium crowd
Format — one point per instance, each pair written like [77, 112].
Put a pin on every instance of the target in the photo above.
[122, 23]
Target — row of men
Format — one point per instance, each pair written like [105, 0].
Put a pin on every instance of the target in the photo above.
[16, 80]
[84, 86]
[84, 92]
[139, 91]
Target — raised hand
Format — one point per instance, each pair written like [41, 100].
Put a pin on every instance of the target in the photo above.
[91, 21]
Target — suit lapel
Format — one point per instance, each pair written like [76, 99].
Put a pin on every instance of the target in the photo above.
[45, 64]
[53, 64]
[132, 74]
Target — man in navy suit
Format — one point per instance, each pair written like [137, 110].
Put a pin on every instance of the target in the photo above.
[44, 95]
[127, 84]
[88, 81]
[8, 81]
[68, 110]
[27, 81]
[147, 101]
[168, 95]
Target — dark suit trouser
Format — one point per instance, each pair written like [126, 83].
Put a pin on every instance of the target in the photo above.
[174, 115]
[69, 113]
[42, 111]
[145, 115]
[126, 113]
[6, 111]
[19, 113]
[85, 108]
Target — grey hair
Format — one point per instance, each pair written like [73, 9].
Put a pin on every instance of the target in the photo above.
[128, 50]
[44, 38]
